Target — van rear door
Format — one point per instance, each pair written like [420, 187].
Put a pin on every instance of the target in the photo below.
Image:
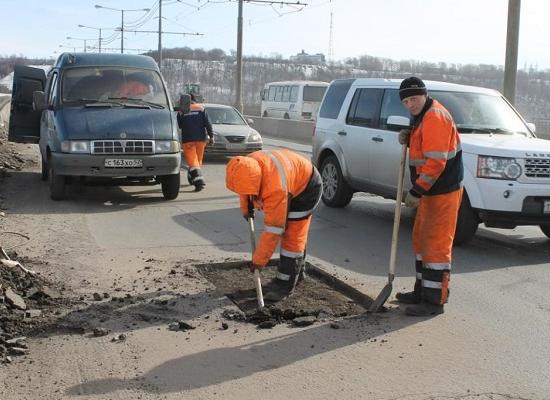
[24, 120]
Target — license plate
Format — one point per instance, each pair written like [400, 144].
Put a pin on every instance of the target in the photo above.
[546, 209]
[235, 146]
[123, 163]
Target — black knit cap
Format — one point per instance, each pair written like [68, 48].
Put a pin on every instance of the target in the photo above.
[412, 86]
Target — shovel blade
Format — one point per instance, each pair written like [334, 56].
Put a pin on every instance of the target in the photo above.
[381, 299]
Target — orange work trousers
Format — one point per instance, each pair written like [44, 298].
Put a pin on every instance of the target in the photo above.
[294, 240]
[194, 153]
[433, 234]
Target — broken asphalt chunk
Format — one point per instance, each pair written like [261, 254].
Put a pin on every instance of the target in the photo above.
[304, 321]
[14, 299]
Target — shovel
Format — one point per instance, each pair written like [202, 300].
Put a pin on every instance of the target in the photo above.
[257, 281]
[386, 291]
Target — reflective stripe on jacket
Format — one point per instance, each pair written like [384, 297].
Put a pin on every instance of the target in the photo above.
[285, 175]
[435, 155]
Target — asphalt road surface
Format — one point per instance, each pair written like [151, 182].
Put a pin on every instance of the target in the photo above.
[491, 343]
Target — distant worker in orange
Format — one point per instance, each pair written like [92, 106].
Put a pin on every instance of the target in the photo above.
[435, 159]
[196, 133]
[287, 188]
[132, 88]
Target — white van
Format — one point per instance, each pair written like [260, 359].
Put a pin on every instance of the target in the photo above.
[506, 168]
[299, 100]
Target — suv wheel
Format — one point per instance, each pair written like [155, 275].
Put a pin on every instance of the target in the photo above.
[336, 191]
[545, 229]
[170, 186]
[467, 223]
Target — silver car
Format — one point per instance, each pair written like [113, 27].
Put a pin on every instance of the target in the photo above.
[232, 132]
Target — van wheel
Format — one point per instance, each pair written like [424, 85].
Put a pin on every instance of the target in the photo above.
[57, 185]
[286, 116]
[336, 191]
[467, 223]
[170, 186]
[44, 173]
[265, 114]
[545, 229]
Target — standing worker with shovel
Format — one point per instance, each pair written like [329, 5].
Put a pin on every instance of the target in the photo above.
[287, 187]
[435, 159]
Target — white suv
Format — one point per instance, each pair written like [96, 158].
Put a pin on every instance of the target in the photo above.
[506, 168]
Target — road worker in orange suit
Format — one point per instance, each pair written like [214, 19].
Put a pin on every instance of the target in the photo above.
[196, 133]
[435, 160]
[287, 188]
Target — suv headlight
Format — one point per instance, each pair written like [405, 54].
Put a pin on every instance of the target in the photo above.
[166, 146]
[254, 137]
[75, 146]
[498, 168]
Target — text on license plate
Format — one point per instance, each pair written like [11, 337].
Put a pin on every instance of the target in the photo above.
[546, 209]
[123, 163]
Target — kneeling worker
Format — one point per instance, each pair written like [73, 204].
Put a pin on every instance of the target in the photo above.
[287, 187]
[196, 132]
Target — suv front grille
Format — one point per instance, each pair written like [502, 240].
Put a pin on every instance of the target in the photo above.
[537, 168]
[235, 139]
[123, 147]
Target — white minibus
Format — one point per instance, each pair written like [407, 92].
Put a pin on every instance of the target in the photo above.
[299, 100]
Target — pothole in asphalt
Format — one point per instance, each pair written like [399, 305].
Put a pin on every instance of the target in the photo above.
[320, 297]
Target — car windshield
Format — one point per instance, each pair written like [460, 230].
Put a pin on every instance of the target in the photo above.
[314, 93]
[113, 85]
[224, 116]
[481, 113]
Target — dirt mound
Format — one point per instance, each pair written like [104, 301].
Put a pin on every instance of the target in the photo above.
[10, 157]
[27, 302]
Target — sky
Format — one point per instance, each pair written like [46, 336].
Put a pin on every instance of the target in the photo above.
[451, 31]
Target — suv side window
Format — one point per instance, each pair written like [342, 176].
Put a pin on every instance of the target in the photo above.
[364, 108]
[334, 98]
[391, 105]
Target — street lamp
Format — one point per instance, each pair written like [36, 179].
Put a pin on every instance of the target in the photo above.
[84, 40]
[97, 29]
[122, 20]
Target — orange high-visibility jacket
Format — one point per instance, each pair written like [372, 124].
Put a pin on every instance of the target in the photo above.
[282, 175]
[435, 155]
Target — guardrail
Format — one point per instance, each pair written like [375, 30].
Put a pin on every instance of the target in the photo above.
[296, 131]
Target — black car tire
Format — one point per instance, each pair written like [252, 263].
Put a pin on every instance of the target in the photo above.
[57, 185]
[44, 172]
[265, 114]
[467, 223]
[336, 191]
[170, 186]
[545, 229]
[286, 116]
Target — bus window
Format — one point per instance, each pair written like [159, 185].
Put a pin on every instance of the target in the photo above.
[279, 94]
[314, 93]
[286, 94]
[293, 94]
[272, 91]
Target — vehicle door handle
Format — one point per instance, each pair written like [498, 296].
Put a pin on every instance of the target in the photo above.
[342, 133]
[377, 139]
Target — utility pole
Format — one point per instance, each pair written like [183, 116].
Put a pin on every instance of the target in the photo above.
[239, 69]
[122, 34]
[160, 35]
[512, 39]
[239, 72]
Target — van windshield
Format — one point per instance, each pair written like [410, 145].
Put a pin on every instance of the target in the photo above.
[104, 84]
[481, 113]
[314, 93]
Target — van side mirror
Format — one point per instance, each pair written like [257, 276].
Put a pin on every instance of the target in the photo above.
[532, 127]
[397, 122]
[38, 101]
[250, 121]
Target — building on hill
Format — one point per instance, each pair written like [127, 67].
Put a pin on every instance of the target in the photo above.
[305, 58]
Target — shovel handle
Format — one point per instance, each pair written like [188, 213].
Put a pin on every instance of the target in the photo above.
[397, 214]
[257, 280]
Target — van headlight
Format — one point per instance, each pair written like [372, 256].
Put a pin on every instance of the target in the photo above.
[166, 146]
[254, 137]
[75, 146]
[498, 168]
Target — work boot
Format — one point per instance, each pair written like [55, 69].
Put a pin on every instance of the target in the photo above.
[199, 185]
[285, 281]
[189, 178]
[413, 297]
[424, 309]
